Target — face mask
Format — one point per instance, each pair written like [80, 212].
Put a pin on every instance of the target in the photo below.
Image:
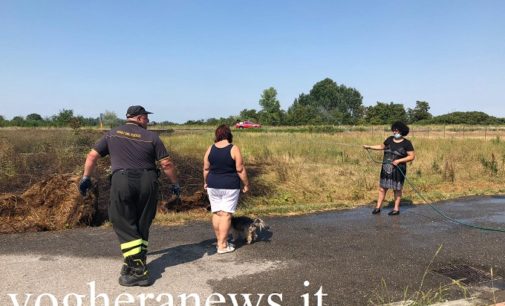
[397, 135]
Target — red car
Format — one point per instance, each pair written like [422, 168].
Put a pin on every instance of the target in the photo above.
[246, 125]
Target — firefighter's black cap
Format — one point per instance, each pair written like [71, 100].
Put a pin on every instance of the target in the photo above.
[136, 110]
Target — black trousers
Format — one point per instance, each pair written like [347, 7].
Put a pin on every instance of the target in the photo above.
[133, 202]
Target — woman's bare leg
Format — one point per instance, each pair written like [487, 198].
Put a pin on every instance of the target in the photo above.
[382, 195]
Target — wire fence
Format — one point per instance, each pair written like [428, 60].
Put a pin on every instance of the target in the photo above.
[449, 131]
[485, 132]
[433, 131]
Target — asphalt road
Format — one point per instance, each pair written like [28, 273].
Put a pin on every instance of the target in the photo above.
[337, 258]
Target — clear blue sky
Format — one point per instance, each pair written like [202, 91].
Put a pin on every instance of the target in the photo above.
[199, 59]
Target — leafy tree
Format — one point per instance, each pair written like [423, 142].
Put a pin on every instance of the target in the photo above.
[384, 113]
[249, 114]
[88, 121]
[271, 109]
[3, 122]
[473, 118]
[195, 122]
[75, 123]
[63, 118]
[420, 112]
[166, 122]
[332, 103]
[17, 121]
[34, 120]
[230, 121]
[218, 121]
[110, 119]
[34, 117]
[302, 112]
[212, 121]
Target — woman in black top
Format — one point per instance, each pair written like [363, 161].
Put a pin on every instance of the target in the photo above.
[397, 152]
[223, 171]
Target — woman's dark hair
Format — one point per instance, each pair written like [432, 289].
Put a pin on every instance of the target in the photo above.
[401, 127]
[223, 132]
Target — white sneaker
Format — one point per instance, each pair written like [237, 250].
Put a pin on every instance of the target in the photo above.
[228, 249]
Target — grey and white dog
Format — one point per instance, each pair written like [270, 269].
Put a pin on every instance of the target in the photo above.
[246, 228]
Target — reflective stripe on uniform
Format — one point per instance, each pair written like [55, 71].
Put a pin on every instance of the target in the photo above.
[131, 244]
[134, 251]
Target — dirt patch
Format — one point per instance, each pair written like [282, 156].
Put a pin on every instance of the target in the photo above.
[198, 200]
[52, 204]
[190, 177]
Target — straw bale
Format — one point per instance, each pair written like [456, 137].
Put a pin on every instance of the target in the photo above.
[51, 204]
[11, 205]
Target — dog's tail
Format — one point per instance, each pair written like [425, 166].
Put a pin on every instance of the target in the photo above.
[260, 224]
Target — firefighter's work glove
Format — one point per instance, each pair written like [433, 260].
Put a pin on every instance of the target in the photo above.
[84, 185]
[176, 189]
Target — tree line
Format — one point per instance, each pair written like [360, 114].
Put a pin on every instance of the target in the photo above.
[65, 118]
[327, 103]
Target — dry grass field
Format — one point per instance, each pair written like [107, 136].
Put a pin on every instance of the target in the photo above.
[296, 172]
[292, 170]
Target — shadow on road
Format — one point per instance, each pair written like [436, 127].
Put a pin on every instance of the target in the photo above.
[179, 255]
[185, 253]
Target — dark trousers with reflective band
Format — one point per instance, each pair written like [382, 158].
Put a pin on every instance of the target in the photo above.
[133, 203]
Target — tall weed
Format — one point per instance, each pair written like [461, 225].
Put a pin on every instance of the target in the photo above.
[490, 165]
[449, 173]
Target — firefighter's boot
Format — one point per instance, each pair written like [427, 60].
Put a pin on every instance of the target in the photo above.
[135, 272]
[126, 268]
[143, 257]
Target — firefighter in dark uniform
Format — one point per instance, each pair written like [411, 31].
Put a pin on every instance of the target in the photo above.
[133, 153]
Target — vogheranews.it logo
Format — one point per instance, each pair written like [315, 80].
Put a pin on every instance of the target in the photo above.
[94, 298]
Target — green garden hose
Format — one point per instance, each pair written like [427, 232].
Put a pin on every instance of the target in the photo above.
[440, 212]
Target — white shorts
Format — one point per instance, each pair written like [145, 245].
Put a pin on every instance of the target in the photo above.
[223, 199]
